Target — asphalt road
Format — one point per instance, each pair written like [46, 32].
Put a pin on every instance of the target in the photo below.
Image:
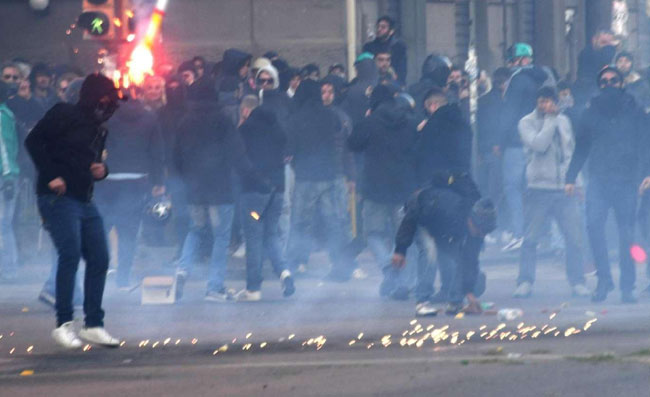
[334, 340]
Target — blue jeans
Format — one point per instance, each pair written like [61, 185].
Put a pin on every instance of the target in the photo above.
[601, 196]
[220, 218]
[262, 236]
[122, 205]
[327, 202]
[540, 205]
[514, 168]
[77, 231]
[9, 259]
[50, 284]
[381, 222]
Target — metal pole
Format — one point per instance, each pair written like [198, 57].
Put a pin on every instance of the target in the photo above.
[351, 26]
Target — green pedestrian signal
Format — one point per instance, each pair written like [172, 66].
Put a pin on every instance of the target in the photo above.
[97, 26]
[95, 23]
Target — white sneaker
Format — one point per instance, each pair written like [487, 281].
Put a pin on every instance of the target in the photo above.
[359, 274]
[506, 237]
[581, 291]
[241, 251]
[65, 336]
[524, 290]
[248, 296]
[513, 245]
[98, 336]
[425, 309]
[490, 239]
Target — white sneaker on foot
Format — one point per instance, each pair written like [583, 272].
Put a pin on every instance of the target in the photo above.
[524, 290]
[65, 336]
[425, 309]
[98, 336]
[248, 296]
[581, 291]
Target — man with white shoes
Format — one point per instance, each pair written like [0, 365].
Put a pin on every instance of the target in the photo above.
[66, 147]
[548, 141]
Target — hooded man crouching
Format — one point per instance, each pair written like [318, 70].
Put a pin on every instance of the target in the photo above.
[454, 216]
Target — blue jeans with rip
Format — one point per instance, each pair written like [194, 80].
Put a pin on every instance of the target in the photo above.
[77, 230]
[220, 218]
[262, 235]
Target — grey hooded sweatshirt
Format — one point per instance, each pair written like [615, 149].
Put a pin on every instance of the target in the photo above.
[548, 143]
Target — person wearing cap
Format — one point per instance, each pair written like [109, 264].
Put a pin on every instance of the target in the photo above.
[67, 148]
[387, 140]
[520, 98]
[612, 134]
[451, 212]
[634, 84]
[548, 142]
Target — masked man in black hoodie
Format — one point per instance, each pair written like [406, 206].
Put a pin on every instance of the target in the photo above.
[612, 134]
[265, 140]
[66, 147]
[313, 132]
[207, 150]
[387, 139]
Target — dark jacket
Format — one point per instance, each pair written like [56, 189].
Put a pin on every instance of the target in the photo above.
[206, 151]
[357, 100]
[233, 60]
[64, 143]
[489, 110]
[135, 144]
[387, 139]
[445, 144]
[312, 132]
[434, 74]
[443, 212]
[276, 102]
[397, 50]
[520, 99]
[613, 133]
[265, 141]
[169, 119]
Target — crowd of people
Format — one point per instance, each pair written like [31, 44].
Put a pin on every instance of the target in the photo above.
[287, 161]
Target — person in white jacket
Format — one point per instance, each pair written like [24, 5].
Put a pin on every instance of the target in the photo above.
[548, 143]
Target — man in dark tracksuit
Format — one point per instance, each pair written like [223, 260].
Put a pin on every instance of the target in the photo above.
[613, 135]
[66, 147]
[452, 214]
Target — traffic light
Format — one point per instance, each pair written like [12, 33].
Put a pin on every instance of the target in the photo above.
[97, 19]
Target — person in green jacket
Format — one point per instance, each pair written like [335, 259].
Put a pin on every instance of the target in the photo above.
[8, 187]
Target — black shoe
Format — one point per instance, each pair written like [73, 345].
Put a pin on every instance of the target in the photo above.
[600, 294]
[400, 293]
[628, 297]
[288, 288]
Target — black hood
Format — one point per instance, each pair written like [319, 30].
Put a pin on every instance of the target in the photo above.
[367, 71]
[391, 115]
[308, 92]
[436, 68]
[233, 60]
[339, 86]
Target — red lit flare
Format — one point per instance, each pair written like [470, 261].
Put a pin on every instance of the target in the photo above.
[638, 254]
